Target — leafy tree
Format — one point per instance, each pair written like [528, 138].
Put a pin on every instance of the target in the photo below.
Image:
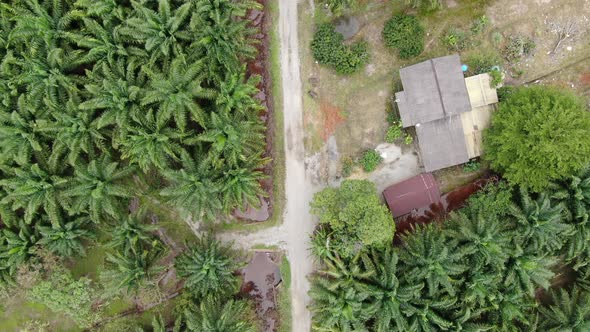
[66, 239]
[406, 34]
[208, 268]
[538, 134]
[570, 311]
[215, 316]
[132, 235]
[98, 189]
[355, 215]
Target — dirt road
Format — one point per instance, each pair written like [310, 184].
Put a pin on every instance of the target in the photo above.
[293, 234]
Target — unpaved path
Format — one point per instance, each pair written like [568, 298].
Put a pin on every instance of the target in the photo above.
[293, 234]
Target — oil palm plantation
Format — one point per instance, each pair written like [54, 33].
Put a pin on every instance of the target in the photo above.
[131, 234]
[208, 268]
[217, 316]
[17, 246]
[128, 273]
[18, 133]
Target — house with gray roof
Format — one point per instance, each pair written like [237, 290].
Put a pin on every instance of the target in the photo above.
[448, 110]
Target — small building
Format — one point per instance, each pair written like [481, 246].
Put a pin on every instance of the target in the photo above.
[448, 110]
[412, 194]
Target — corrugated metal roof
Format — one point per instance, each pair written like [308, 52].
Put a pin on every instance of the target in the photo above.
[414, 193]
[442, 143]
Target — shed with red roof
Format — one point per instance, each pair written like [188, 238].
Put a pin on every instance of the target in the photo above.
[414, 193]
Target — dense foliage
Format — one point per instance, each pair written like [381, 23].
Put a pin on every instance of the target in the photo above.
[328, 48]
[538, 135]
[352, 217]
[370, 160]
[479, 270]
[406, 34]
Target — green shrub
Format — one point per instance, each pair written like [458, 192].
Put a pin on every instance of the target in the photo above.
[425, 5]
[471, 166]
[328, 49]
[480, 63]
[505, 92]
[480, 24]
[408, 139]
[394, 132]
[370, 160]
[406, 34]
[456, 39]
[496, 77]
[347, 166]
[518, 46]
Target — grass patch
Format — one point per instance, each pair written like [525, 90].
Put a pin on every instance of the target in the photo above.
[89, 266]
[16, 317]
[284, 296]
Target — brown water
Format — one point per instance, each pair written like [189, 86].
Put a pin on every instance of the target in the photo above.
[440, 210]
[261, 276]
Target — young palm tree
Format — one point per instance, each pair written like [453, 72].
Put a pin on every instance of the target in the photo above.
[175, 92]
[215, 316]
[66, 239]
[98, 189]
[31, 188]
[74, 134]
[162, 31]
[208, 268]
[427, 258]
[16, 246]
[569, 311]
[132, 234]
[539, 224]
[194, 188]
[237, 94]
[150, 145]
[130, 272]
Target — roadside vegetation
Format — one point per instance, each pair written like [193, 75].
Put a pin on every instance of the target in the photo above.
[118, 120]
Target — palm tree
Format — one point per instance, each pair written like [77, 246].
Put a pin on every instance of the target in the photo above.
[162, 31]
[31, 188]
[130, 272]
[17, 246]
[428, 314]
[528, 271]
[132, 234]
[574, 194]
[427, 259]
[176, 91]
[241, 184]
[215, 316]
[237, 94]
[98, 189]
[194, 188]
[510, 309]
[151, 145]
[569, 311]
[47, 22]
[232, 137]
[73, 133]
[116, 91]
[66, 239]
[18, 132]
[108, 11]
[391, 297]
[338, 306]
[224, 38]
[482, 238]
[208, 268]
[539, 224]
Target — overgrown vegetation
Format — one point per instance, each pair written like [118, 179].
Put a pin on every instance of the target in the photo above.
[406, 34]
[328, 48]
[370, 160]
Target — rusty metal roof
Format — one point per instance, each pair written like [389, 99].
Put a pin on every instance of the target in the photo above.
[413, 193]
